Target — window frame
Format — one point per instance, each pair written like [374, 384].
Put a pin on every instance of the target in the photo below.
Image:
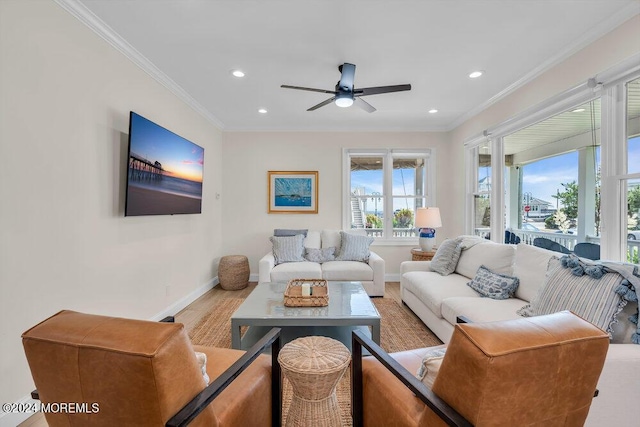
[610, 87]
[388, 155]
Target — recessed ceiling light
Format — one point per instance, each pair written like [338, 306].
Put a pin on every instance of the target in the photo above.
[578, 110]
[262, 111]
[433, 110]
[237, 73]
[475, 74]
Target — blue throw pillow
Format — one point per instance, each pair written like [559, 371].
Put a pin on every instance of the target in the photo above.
[493, 285]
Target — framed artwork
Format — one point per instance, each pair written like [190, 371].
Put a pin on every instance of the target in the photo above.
[293, 192]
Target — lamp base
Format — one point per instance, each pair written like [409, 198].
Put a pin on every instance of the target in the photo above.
[427, 239]
[427, 243]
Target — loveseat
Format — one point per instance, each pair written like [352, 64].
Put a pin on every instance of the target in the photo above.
[369, 271]
[438, 300]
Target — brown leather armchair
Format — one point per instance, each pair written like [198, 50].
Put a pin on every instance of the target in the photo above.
[139, 373]
[538, 371]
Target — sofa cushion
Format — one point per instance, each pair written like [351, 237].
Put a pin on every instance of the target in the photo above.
[354, 248]
[347, 271]
[431, 288]
[530, 266]
[312, 240]
[320, 255]
[296, 270]
[288, 248]
[497, 257]
[480, 309]
[493, 285]
[446, 258]
[593, 299]
[331, 238]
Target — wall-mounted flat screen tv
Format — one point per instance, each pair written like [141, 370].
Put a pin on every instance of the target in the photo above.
[164, 171]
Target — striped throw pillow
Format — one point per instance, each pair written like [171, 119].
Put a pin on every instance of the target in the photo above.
[595, 300]
[354, 247]
[288, 249]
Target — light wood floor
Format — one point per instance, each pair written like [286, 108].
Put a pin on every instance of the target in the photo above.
[191, 314]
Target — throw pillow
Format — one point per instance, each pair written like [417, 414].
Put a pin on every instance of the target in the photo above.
[354, 248]
[493, 285]
[202, 363]
[446, 258]
[288, 249]
[320, 255]
[568, 288]
[428, 370]
[283, 232]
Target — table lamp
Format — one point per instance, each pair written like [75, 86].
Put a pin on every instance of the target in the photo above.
[427, 220]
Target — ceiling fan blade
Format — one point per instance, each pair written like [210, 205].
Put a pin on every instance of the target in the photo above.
[322, 104]
[364, 105]
[308, 88]
[380, 89]
[346, 80]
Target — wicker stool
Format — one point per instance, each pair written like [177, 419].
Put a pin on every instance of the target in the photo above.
[313, 366]
[233, 272]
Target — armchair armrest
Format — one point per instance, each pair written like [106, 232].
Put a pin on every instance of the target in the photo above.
[265, 265]
[422, 392]
[206, 396]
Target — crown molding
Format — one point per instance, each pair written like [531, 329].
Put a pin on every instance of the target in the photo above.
[589, 37]
[84, 15]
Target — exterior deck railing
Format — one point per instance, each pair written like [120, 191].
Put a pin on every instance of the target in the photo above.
[569, 241]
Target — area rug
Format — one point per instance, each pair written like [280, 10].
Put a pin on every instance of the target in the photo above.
[399, 330]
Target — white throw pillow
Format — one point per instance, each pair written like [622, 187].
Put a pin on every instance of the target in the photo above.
[288, 249]
[354, 248]
[445, 260]
[430, 366]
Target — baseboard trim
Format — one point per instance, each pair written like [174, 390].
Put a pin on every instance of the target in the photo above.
[12, 419]
[188, 299]
[254, 277]
[395, 277]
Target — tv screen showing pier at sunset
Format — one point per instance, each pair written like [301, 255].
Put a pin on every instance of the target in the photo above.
[164, 171]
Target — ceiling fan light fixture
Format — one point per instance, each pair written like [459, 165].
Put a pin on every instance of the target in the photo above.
[344, 100]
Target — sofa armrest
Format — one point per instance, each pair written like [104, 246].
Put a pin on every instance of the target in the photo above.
[265, 265]
[407, 266]
[377, 265]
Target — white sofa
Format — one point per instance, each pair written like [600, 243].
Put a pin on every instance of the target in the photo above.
[438, 301]
[371, 273]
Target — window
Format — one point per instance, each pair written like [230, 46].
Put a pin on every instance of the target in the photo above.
[567, 177]
[384, 188]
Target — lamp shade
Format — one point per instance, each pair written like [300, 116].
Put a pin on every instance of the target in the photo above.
[428, 218]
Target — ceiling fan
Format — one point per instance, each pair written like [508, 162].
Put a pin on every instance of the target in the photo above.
[346, 95]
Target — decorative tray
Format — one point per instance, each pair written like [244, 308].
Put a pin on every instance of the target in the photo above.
[319, 293]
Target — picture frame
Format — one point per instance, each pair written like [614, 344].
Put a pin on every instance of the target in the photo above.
[293, 192]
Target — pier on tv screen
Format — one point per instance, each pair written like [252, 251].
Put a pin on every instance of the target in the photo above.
[164, 171]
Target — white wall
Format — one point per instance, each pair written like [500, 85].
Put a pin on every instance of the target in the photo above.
[65, 97]
[248, 156]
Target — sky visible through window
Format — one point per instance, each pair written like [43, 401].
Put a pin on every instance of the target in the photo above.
[543, 178]
[403, 184]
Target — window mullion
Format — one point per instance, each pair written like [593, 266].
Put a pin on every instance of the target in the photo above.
[388, 195]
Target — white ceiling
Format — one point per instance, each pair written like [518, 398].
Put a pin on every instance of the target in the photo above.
[192, 45]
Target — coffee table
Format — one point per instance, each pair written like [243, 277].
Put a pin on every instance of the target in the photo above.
[349, 308]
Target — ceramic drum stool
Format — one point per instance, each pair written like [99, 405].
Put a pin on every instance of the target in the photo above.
[233, 272]
[314, 365]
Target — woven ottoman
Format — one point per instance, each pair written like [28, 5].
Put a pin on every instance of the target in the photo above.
[314, 365]
[233, 272]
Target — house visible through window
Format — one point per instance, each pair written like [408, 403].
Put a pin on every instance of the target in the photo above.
[385, 187]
